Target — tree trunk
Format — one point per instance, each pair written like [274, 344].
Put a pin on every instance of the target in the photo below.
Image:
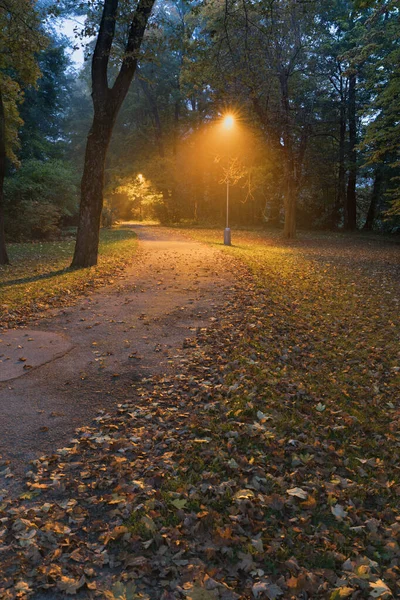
[3, 250]
[290, 200]
[289, 228]
[156, 116]
[341, 189]
[376, 190]
[87, 241]
[177, 112]
[274, 212]
[350, 215]
[107, 103]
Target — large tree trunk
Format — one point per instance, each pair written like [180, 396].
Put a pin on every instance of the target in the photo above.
[107, 102]
[289, 228]
[341, 189]
[350, 214]
[87, 241]
[3, 250]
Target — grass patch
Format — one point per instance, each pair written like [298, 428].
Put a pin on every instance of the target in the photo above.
[39, 276]
[315, 350]
[324, 318]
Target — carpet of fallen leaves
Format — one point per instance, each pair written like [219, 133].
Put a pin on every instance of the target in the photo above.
[266, 467]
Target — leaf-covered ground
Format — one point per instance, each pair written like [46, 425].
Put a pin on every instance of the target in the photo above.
[39, 276]
[267, 467]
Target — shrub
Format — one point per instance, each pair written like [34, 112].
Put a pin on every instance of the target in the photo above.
[37, 197]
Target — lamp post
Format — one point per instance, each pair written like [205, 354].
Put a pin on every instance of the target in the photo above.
[227, 124]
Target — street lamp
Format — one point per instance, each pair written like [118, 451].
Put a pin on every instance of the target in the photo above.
[228, 124]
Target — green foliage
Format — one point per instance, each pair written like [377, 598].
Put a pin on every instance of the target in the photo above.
[39, 220]
[18, 65]
[381, 39]
[37, 196]
[46, 108]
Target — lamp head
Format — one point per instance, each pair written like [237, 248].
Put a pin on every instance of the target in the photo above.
[228, 122]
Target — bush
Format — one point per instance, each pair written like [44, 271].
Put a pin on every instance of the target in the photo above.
[107, 217]
[37, 197]
[41, 222]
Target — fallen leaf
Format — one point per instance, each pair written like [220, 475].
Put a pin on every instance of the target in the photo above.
[338, 512]
[298, 492]
[243, 495]
[70, 585]
[342, 592]
[380, 589]
[179, 503]
[271, 590]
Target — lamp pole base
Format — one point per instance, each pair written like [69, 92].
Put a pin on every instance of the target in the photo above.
[227, 236]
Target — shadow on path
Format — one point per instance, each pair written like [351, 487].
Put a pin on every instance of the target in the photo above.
[35, 277]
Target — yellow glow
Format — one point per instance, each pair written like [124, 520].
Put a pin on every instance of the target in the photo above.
[228, 121]
[140, 178]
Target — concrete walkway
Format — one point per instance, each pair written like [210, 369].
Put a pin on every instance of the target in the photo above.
[56, 375]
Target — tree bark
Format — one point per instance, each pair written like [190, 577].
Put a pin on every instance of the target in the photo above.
[107, 103]
[376, 191]
[92, 184]
[3, 250]
[289, 228]
[341, 189]
[350, 213]
[156, 116]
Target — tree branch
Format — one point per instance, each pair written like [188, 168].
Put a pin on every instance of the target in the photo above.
[135, 37]
[101, 55]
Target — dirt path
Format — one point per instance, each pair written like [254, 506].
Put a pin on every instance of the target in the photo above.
[112, 340]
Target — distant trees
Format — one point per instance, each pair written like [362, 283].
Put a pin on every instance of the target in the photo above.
[282, 61]
[380, 45]
[156, 115]
[18, 68]
[314, 86]
[315, 78]
[262, 55]
[45, 110]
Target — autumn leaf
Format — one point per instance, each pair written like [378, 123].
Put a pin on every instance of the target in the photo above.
[243, 495]
[271, 591]
[342, 592]
[379, 589]
[198, 593]
[338, 512]
[179, 502]
[298, 492]
[70, 585]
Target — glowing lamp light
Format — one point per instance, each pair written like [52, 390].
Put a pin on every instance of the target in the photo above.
[140, 178]
[228, 122]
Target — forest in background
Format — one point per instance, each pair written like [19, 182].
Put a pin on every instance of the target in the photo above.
[313, 86]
